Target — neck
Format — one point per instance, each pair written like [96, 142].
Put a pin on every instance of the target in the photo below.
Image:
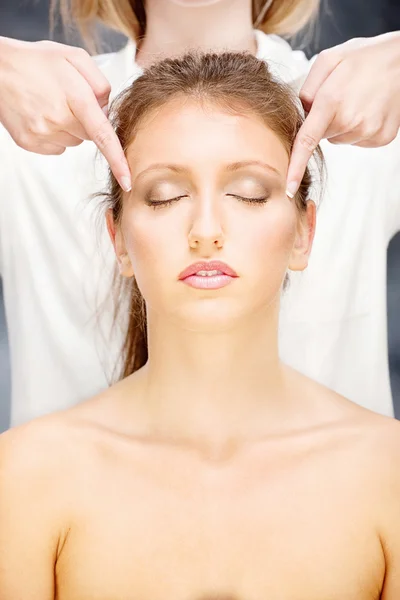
[213, 388]
[172, 29]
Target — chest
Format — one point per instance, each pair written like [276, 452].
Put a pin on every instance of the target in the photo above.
[288, 536]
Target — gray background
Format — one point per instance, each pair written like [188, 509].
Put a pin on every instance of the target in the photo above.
[340, 20]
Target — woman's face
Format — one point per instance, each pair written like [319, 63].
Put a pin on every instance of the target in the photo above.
[207, 186]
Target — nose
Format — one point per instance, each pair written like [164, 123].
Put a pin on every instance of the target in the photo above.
[206, 232]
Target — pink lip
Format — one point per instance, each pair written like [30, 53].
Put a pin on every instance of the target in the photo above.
[210, 282]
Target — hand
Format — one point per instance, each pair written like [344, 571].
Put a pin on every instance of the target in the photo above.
[352, 96]
[54, 96]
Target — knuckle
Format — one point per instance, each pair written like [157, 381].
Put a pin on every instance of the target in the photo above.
[58, 151]
[50, 150]
[56, 112]
[77, 100]
[80, 51]
[354, 43]
[371, 131]
[38, 128]
[385, 137]
[324, 55]
[102, 137]
[336, 141]
[349, 120]
[102, 90]
[367, 144]
[46, 43]
[306, 96]
[308, 142]
[355, 121]
[74, 142]
[327, 57]
[57, 118]
[49, 47]
[23, 140]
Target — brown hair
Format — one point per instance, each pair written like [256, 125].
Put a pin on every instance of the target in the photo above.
[283, 17]
[236, 82]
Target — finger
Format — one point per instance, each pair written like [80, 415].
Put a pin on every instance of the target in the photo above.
[48, 149]
[74, 128]
[352, 137]
[377, 142]
[371, 136]
[71, 125]
[86, 66]
[309, 136]
[62, 138]
[367, 144]
[86, 109]
[324, 65]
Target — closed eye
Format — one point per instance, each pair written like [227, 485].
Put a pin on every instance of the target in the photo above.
[259, 200]
[160, 203]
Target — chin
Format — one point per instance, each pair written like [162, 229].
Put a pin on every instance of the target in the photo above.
[213, 315]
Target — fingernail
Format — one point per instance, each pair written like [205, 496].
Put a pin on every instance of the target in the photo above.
[291, 189]
[126, 184]
[105, 110]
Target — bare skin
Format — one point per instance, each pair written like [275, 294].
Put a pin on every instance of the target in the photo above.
[118, 511]
[60, 105]
[214, 472]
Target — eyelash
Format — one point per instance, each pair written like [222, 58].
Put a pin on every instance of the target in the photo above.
[261, 200]
[161, 203]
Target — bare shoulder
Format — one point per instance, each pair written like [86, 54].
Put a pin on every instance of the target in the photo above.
[57, 445]
[34, 488]
[385, 445]
[38, 450]
[377, 454]
[373, 438]
[41, 473]
[378, 436]
[384, 454]
[50, 445]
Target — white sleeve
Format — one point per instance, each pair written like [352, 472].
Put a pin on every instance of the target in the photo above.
[8, 156]
[392, 172]
[4, 170]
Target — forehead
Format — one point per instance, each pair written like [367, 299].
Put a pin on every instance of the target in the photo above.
[197, 133]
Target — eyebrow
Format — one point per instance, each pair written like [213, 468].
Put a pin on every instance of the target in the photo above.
[236, 166]
[163, 166]
[251, 163]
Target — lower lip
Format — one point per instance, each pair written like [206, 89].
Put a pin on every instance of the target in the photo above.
[208, 283]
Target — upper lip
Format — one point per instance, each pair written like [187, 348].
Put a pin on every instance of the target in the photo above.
[212, 265]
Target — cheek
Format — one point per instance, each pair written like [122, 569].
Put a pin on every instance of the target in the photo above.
[143, 237]
[272, 235]
[150, 240]
[271, 247]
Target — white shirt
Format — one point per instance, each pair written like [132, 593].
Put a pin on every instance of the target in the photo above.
[55, 262]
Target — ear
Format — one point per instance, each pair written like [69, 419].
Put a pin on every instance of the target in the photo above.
[304, 238]
[117, 239]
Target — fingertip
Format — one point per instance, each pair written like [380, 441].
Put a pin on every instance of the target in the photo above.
[125, 183]
[292, 188]
[306, 97]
